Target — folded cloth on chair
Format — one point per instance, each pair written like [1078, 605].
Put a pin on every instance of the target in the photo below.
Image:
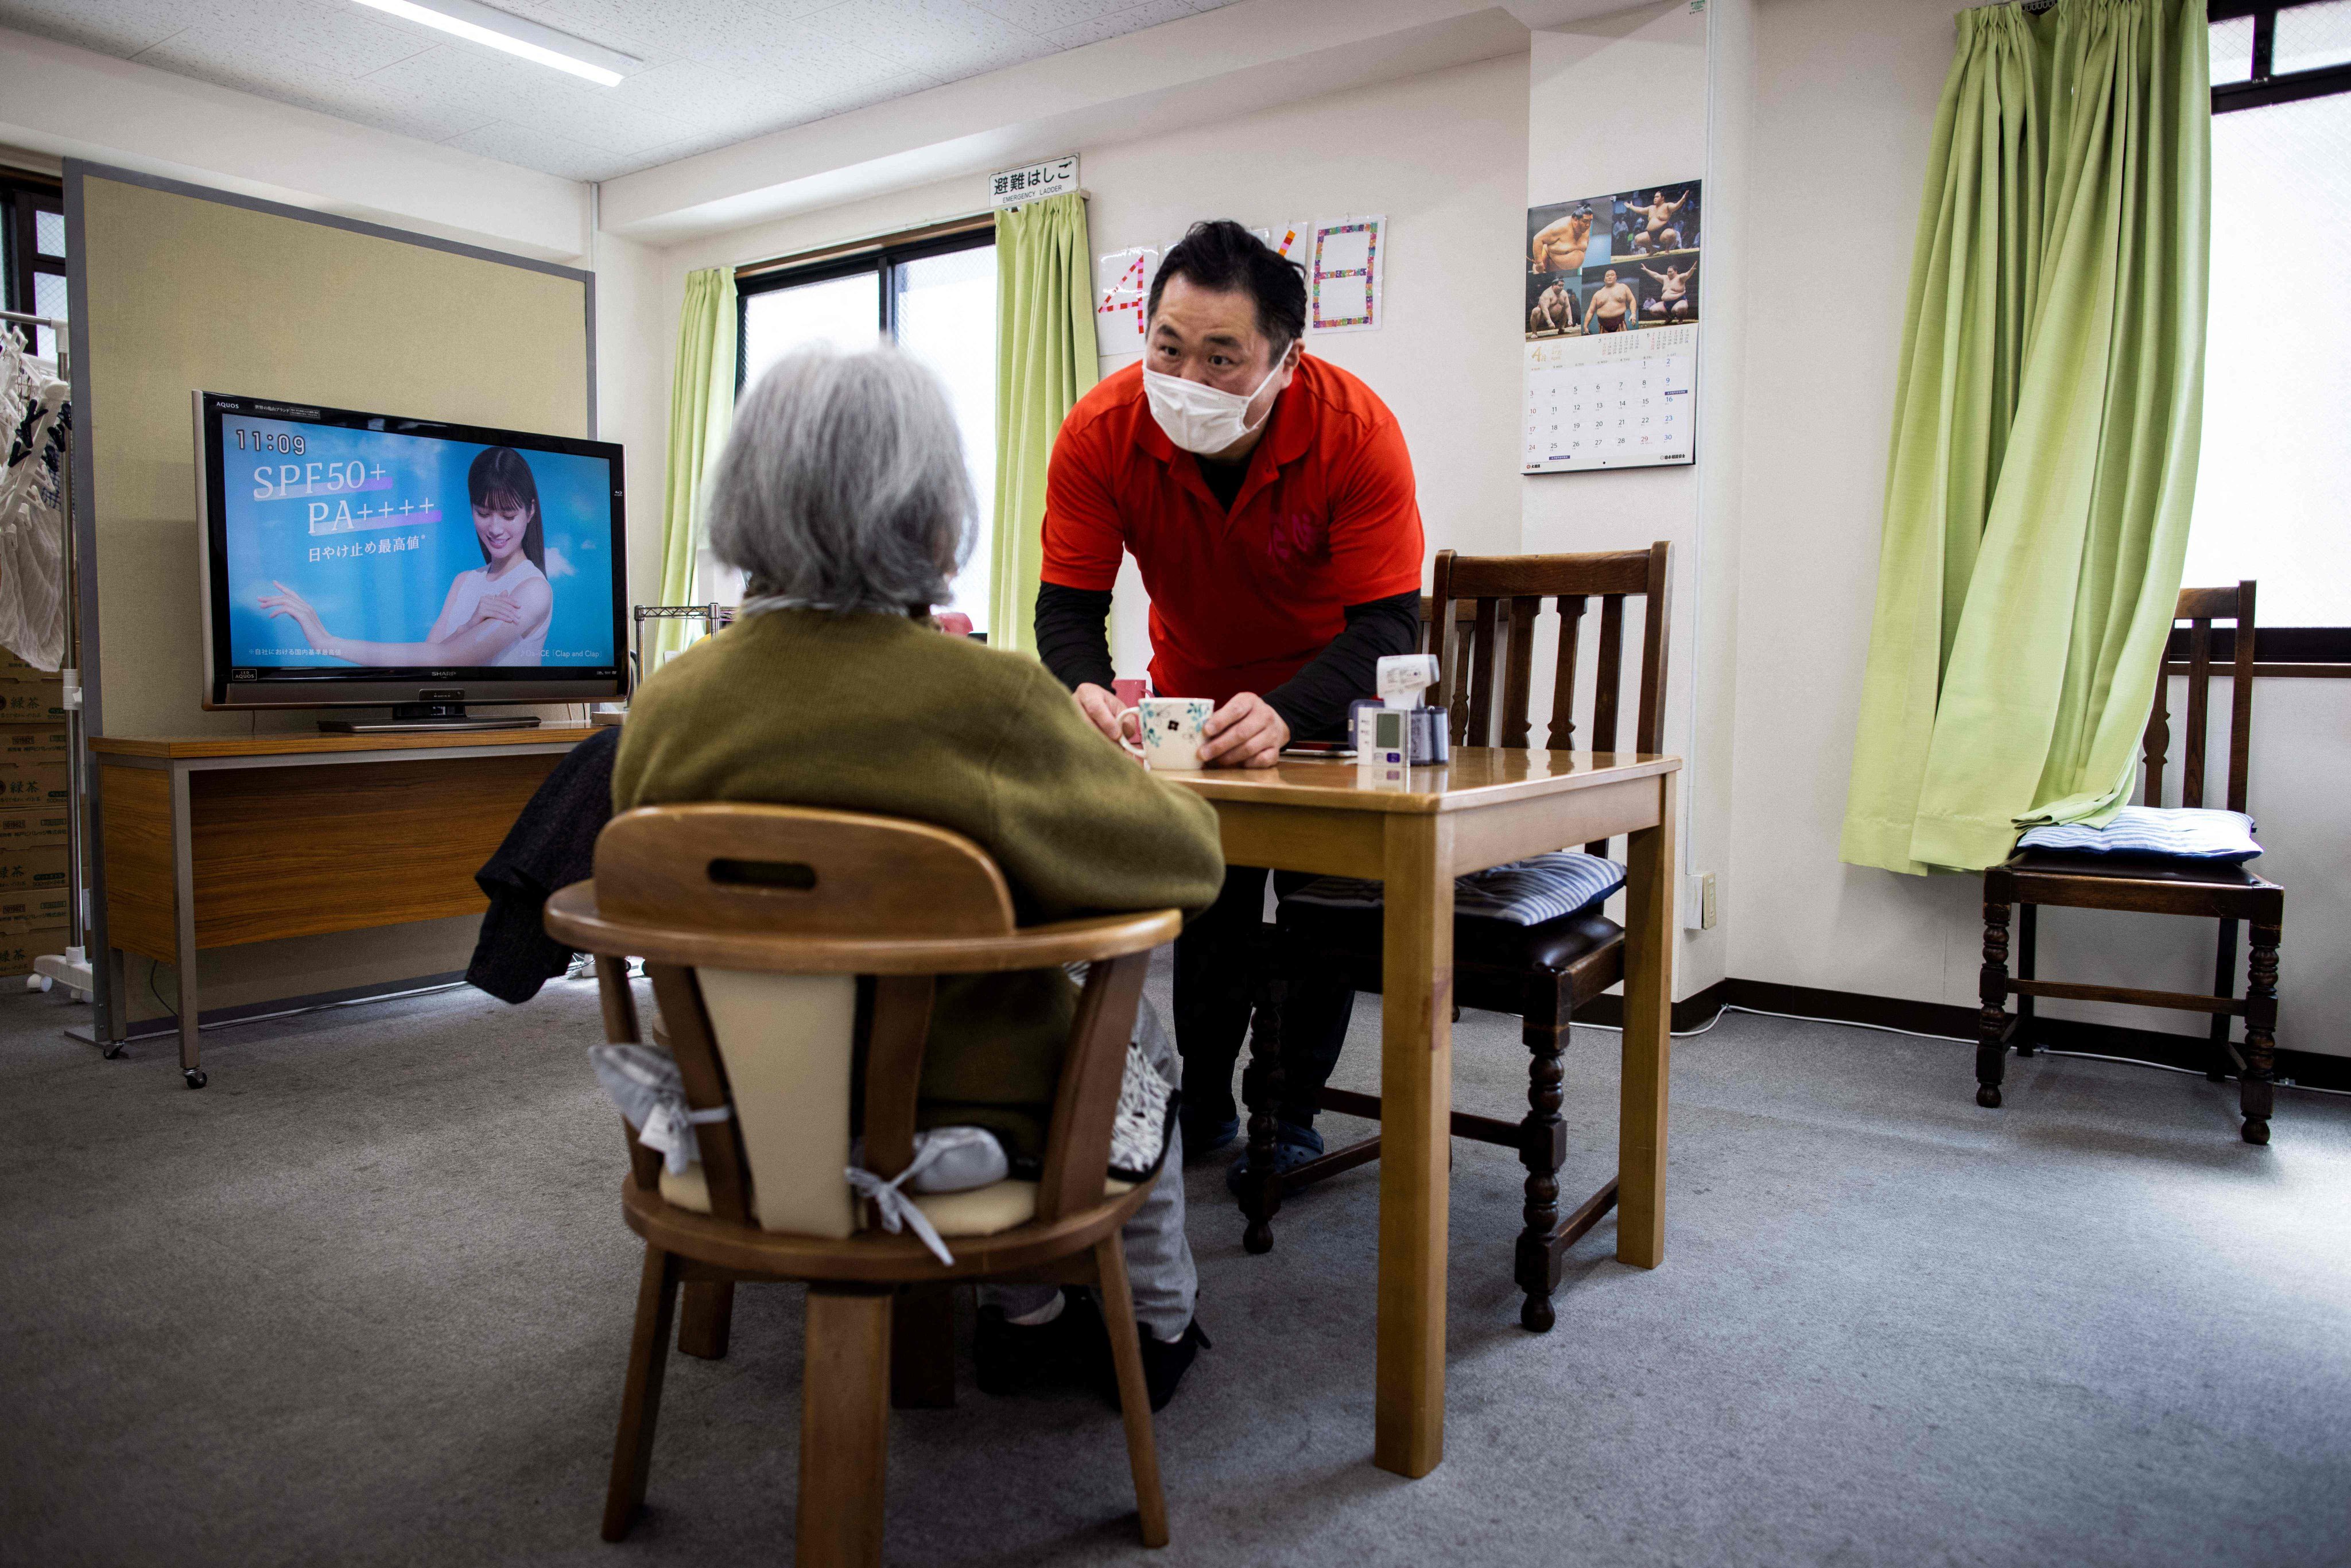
[553, 844]
[2180, 832]
[644, 1082]
[948, 1159]
[1524, 892]
[1146, 1102]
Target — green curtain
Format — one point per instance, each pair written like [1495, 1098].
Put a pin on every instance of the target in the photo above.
[1045, 362]
[701, 408]
[2045, 431]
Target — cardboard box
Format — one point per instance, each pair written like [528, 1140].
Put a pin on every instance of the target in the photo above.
[28, 785]
[25, 827]
[21, 942]
[15, 671]
[32, 868]
[32, 742]
[32, 704]
[34, 908]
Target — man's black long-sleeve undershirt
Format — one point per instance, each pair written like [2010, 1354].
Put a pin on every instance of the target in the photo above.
[1074, 640]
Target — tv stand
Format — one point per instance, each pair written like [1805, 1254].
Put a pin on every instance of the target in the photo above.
[410, 718]
[217, 840]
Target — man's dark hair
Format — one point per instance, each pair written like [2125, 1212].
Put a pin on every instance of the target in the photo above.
[1226, 258]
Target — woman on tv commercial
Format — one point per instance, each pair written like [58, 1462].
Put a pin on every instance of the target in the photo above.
[496, 615]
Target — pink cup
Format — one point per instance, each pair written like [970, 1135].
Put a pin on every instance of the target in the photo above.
[1130, 692]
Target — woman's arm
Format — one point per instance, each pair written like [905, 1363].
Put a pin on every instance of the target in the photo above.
[498, 621]
[446, 622]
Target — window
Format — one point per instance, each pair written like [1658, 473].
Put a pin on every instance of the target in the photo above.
[33, 239]
[936, 298]
[2275, 465]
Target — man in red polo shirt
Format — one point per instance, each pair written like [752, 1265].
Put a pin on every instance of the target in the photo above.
[1269, 501]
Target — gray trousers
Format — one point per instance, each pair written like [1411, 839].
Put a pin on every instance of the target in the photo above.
[1159, 1268]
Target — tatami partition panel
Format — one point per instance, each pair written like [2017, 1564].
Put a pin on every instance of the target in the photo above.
[185, 291]
[176, 289]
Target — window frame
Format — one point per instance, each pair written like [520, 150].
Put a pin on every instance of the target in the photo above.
[22, 196]
[879, 260]
[2288, 651]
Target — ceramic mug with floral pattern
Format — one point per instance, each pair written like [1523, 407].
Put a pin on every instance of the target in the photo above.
[1170, 728]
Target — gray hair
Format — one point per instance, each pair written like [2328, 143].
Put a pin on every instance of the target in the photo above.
[842, 487]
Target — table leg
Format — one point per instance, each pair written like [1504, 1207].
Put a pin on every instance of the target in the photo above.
[1416, 1123]
[115, 996]
[1649, 936]
[183, 925]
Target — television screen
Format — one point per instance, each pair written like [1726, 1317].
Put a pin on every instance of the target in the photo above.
[354, 548]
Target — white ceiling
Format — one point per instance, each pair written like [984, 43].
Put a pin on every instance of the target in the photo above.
[716, 71]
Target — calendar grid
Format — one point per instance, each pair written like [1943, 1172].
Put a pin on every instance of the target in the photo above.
[1625, 400]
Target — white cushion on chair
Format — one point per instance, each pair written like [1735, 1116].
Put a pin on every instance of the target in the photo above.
[982, 1211]
[1524, 892]
[2178, 833]
[785, 1040]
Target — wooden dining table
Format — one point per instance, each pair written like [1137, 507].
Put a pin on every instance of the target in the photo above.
[1417, 829]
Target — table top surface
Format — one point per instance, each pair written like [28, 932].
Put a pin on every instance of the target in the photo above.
[1478, 776]
[310, 742]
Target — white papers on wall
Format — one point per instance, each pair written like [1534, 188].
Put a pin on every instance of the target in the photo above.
[1344, 272]
[1123, 279]
[1122, 289]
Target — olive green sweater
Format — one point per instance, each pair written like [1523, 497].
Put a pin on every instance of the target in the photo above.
[882, 713]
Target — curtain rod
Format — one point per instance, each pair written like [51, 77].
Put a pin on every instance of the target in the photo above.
[869, 244]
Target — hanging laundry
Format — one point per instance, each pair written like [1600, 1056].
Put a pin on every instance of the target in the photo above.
[38, 420]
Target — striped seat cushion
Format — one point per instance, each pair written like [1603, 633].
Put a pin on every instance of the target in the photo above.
[2178, 834]
[1524, 892]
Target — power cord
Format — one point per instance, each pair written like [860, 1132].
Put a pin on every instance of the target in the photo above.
[1957, 1039]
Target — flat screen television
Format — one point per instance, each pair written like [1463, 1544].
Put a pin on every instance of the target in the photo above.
[359, 559]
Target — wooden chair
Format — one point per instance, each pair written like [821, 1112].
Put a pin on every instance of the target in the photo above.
[2033, 877]
[793, 954]
[1542, 973]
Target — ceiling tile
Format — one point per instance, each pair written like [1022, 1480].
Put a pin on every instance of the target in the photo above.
[117, 27]
[943, 39]
[1051, 16]
[715, 72]
[536, 149]
[503, 88]
[1135, 18]
[368, 101]
[296, 39]
[704, 98]
[657, 33]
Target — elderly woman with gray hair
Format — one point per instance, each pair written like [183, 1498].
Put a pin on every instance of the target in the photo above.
[843, 498]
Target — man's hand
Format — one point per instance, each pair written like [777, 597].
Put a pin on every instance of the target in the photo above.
[1100, 707]
[1244, 733]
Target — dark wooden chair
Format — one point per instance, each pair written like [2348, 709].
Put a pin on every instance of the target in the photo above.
[2229, 894]
[786, 946]
[1542, 973]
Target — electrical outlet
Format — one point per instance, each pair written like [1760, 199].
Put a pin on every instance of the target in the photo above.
[1697, 902]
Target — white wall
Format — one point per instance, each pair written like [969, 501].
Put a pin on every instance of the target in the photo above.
[1618, 102]
[1844, 103]
[1443, 154]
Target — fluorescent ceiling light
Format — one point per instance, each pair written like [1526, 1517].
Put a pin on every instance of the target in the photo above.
[480, 23]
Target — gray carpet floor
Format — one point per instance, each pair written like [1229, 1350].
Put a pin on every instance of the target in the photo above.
[366, 1300]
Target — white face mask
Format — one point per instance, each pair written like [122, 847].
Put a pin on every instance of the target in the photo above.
[1199, 417]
